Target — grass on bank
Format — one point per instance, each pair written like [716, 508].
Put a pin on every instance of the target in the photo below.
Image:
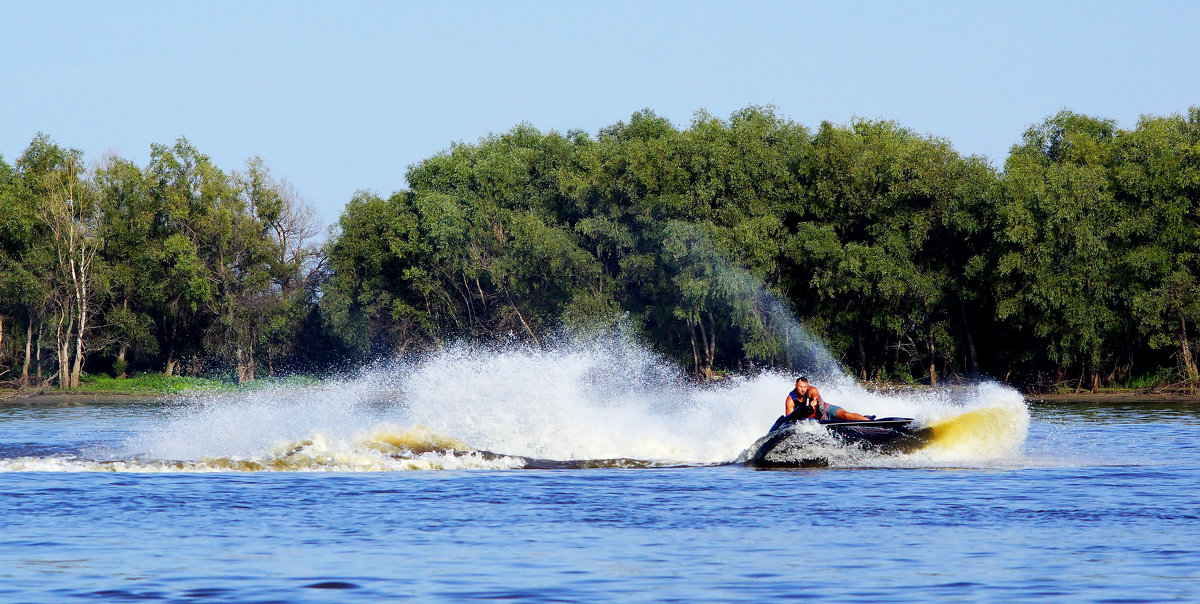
[157, 383]
[1165, 380]
[147, 383]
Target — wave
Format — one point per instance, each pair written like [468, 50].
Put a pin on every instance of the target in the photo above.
[384, 449]
[599, 402]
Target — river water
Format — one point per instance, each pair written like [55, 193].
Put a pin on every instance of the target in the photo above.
[542, 478]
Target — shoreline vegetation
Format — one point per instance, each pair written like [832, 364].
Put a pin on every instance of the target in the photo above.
[147, 385]
[152, 387]
[728, 245]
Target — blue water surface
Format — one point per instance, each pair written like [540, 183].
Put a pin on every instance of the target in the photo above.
[1104, 507]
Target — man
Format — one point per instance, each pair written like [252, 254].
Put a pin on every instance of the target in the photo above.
[805, 402]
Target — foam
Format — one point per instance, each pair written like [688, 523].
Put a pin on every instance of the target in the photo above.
[598, 402]
[387, 448]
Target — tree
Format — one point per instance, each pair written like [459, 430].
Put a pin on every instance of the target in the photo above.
[184, 187]
[27, 258]
[1061, 231]
[75, 221]
[129, 252]
[380, 294]
[1159, 176]
[21, 292]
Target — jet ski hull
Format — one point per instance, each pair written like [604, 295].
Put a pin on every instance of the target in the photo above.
[790, 444]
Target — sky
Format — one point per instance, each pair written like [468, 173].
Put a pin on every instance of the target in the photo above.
[341, 97]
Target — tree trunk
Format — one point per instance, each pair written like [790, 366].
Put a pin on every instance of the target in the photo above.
[896, 357]
[64, 367]
[528, 329]
[787, 349]
[62, 345]
[81, 299]
[64, 364]
[38, 356]
[124, 345]
[862, 352]
[170, 368]
[1095, 381]
[932, 360]
[1189, 362]
[712, 344]
[250, 364]
[695, 351]
[77, 367]
[241, 365]
[121, 360]
[465, 294]
[972, 356]
[28, 346]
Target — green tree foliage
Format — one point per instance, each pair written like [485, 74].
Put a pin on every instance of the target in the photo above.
[878, 237]
[22, 293]
[1061, 228]
[1076, 264]
[145, 268]
[1158, 178]
[130, 249]
[907, 258]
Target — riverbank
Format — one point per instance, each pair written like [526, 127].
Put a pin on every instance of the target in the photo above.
[76, 399]
[1130, 396]
[105, 387]
[102, 389]
[1104, 397]
[98, 390]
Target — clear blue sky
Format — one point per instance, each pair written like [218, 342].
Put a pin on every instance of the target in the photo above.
[344, 96]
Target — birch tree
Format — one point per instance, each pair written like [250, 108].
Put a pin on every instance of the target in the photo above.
[74, 218]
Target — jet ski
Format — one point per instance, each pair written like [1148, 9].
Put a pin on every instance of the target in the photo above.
[801, 442]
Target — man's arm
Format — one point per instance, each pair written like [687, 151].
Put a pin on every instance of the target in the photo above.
[789, 406]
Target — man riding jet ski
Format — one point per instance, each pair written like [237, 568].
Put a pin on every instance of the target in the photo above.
[805, 405]
[805, 402]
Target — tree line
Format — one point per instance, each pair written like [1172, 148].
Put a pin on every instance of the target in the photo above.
[175, 266]
[1074, 263]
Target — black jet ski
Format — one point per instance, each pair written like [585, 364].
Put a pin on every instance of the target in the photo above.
[795, 443]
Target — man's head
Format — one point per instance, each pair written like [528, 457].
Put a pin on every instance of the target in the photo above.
[801, 383]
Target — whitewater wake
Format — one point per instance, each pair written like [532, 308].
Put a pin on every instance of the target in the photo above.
[601, 402]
